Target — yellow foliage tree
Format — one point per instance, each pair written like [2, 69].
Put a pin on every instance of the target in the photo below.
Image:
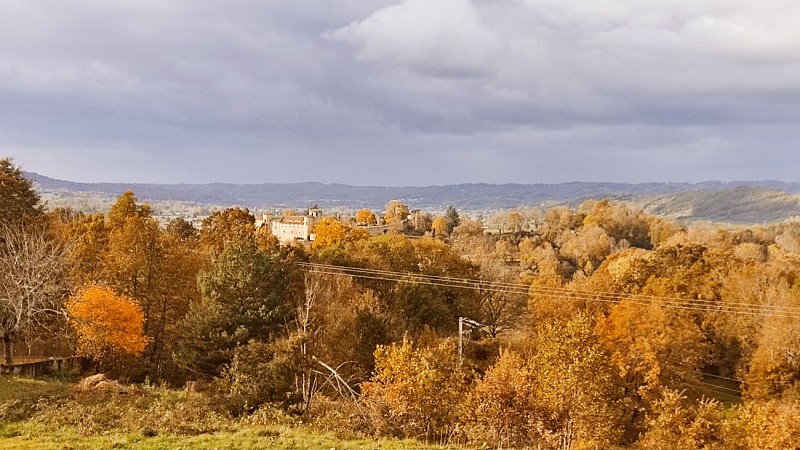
[330, 231]
[652, 347]
[366, 217]
[108, 325]
[439, 226]
[502, 406]
[416, 391]
[396, 214]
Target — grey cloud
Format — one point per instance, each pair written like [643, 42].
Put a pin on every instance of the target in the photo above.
[498, 90]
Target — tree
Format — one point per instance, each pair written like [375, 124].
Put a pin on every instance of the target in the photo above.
[33, 282]
[416, 391]
[396, 214]
[232, 224]
[678, 424]
[246, 295]
[135, 266]
[440, 226]
[501, 309]
[18, 199]
[451, 215]
[108, 325]
[329, 231]
[502, 406]
[651, 347]
[575, 385]
[366, 217]
[88, 237]
[469, 228]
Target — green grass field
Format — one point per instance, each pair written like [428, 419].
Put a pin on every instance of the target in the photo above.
[51, 414]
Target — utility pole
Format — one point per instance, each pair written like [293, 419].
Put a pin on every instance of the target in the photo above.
[472, 324]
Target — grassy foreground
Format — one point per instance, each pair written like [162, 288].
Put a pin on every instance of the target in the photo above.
[52, 414]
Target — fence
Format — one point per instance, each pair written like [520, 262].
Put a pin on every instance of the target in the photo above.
[40, 367]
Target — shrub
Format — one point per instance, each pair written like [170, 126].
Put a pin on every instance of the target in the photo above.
[416, 392]
[259, 374]
[501, 408]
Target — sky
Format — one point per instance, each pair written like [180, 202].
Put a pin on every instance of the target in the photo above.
[401, 92]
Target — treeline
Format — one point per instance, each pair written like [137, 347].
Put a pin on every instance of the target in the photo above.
[595, 327]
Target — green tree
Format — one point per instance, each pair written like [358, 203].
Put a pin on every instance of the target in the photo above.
[246, 295]
[18, 199]
[453, 220]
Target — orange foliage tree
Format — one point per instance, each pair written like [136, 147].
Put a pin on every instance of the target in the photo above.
[366, 217]
[416, 391]
[108, 325]
[330, 231]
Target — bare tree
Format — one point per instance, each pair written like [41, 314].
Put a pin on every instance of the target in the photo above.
[501, 308]
[33, 283]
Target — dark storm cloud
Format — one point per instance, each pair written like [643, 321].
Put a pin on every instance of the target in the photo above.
[401, 92]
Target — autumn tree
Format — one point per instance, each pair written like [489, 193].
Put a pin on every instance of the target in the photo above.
[366, 217]
[135, 267]
[469, 227]
[502, 307]
[134, 251]
[33, 282]
[329, 231]
[416, 391]
[652, 347]
[108, 325]
[678, 423]
[502, 407]
[175, 289]
[396, 214]
[88, 237]
[439, 227]
[764, 425]
[231, 224]
[620, 221]
[587, 247]
[576, 385]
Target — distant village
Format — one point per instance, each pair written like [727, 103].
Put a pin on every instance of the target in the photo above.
[290, 227]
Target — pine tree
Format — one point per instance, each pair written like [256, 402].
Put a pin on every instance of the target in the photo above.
[18, 199]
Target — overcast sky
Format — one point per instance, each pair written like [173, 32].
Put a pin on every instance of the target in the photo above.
[401, 92]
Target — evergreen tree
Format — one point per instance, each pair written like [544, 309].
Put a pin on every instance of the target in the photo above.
[451, 215]
[18, 199]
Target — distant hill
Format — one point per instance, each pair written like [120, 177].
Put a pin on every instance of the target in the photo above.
[744, 202]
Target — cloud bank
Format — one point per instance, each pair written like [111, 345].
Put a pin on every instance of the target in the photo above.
[401, 92]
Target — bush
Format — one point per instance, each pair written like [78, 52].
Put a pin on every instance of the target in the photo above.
[416, 392]
[501, 408]
[769, 425]
[261, 374]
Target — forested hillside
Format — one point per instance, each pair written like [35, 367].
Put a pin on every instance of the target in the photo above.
[593, 326]
[750, 202]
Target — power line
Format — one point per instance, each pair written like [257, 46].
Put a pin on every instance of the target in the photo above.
[562, 294]
[721, 377]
